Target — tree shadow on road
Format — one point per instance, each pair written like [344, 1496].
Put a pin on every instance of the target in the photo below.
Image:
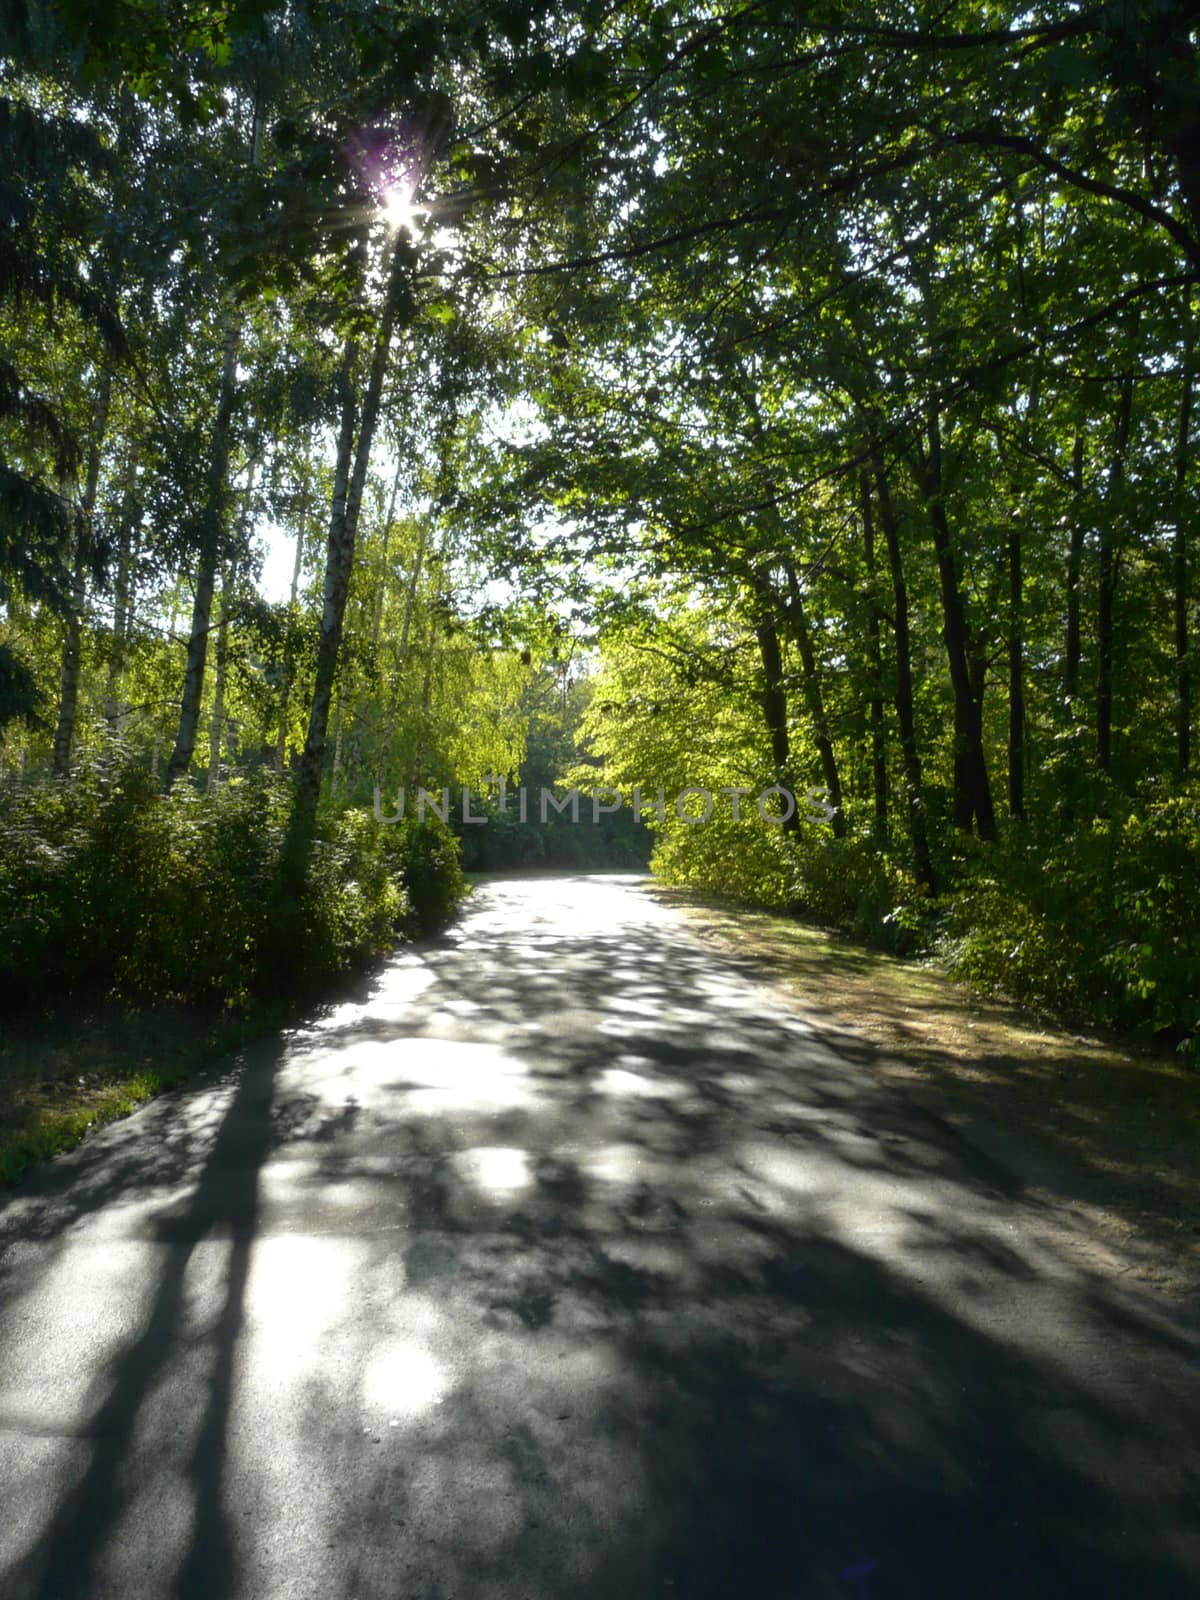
[561, 1261]
[220, 1206]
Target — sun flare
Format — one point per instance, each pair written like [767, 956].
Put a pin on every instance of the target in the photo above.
[398, 207]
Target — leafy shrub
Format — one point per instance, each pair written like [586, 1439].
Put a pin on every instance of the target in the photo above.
[427, 858]
[853, 885]
[1099, 922]
[1094, 918]
[748, 860]
[235, 838]
[43, 833]
[1156, 888]
[845, 883]
[108, 885]
[505, 843]
[995, 936]
[354, 900]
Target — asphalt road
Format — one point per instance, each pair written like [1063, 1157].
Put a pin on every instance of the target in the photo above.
[565, 1262]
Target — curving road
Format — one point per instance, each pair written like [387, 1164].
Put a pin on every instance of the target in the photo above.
[566, 1262]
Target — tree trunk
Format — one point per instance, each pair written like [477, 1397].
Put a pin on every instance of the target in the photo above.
[401, 663]
[1074, 573]
[775, 698]
[343, 530]
[288, 667]
[72, 651]
[216, 719]
[122, 599]
[339, 558]
[423, 716]
[1179, 555]
[905, 719]
[972, 789]
[1016, 677]
[216, 727]
[212, 528]
[815, 702]
[1109, 574]
[336, 773]
[377, 614]
[360, 712]
[212, 531]
[774, 694]
[879, 772]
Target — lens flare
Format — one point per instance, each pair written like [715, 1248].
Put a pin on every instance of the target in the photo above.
[398, 207]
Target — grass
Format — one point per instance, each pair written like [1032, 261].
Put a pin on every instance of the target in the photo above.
[1112, 1131]
[67, 1071]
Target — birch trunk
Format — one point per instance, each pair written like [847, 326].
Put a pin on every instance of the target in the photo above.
[72, 652]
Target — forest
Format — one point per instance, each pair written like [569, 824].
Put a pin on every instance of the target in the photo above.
[599, 393]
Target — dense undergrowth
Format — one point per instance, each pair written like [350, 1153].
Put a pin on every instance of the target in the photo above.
[1094, 920]
[110, 888]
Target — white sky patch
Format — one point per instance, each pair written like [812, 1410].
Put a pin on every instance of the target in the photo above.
[278, 548]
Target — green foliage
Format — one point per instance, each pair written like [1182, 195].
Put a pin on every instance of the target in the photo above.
[18, 691]
[691, 389]
[1018, 937]
[426, 857]
[111, 887]
[748, 860]
[851, 884]
[843, 883]
[1156, 877]
[58, 1128]
[1087, 909]
[354, 900]
[1099, 923]
[504, 843]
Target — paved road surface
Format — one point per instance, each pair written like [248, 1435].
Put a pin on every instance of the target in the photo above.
[566, 1263]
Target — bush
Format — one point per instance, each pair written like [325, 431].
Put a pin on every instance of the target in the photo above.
[995, 936]
[1099, 922]
[352, 906]
[1155, 957]
[748, 860]
[504, 843]
[427, 858]
[110, 886]
[853, 885]
[43, 834]
[1093, 919]
[235, 838]
[845, 883]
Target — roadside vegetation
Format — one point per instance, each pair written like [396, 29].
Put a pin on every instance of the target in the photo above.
[158, 923]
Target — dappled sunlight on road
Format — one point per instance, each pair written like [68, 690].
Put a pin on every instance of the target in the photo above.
[298, 1289]
[445, 1075]
[495, 1169]
[405, 978]
[402, 1379]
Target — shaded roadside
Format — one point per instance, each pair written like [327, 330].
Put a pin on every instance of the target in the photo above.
[67, 1071]
[191, 1367]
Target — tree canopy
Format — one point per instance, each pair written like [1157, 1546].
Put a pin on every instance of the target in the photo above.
[824, 373]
